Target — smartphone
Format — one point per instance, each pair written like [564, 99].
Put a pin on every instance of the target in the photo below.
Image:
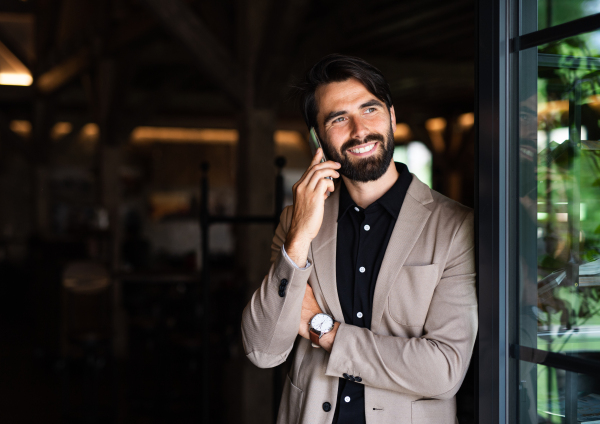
[315, 143]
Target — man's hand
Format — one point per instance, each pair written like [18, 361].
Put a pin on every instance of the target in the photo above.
[310, 193]
[310, 308]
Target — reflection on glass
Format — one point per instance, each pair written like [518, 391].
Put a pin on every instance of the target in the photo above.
[555, 12]
[559, 226]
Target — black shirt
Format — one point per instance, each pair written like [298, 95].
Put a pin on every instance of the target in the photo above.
[362, 238]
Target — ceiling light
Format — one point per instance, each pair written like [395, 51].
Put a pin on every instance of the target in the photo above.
[21, 127]
[402, 132]
[20, 79]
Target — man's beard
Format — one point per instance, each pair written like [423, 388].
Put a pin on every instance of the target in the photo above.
[366, 169]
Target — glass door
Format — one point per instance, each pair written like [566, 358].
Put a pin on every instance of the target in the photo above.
[554, 297]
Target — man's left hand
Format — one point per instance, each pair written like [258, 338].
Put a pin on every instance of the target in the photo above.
[310, 308]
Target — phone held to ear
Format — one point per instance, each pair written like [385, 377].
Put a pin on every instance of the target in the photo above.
[315, 143]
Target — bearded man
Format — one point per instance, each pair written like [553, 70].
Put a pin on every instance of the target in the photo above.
[372, 276]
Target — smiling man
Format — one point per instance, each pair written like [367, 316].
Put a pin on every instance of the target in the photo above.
[372, 277]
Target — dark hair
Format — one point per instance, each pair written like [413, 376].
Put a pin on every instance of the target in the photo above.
[336, 68]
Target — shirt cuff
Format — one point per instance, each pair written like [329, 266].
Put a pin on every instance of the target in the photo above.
[308, 264]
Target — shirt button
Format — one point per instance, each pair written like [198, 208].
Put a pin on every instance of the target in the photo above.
[360, 315]
[362, 269]
[356, 209]
[367, 227]
[347, 399]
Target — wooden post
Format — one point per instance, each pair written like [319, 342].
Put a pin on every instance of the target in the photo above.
[107, 91]
[255, 196]
[40, 152]
[108, 154]
[256, 192]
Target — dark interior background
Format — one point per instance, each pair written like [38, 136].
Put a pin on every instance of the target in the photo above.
[106, 313]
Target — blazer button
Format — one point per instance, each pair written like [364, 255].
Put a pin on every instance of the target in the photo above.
[346, 376]
[351, 378]
[326, 407]
[357, 379]
[281, 292]
[284, 282]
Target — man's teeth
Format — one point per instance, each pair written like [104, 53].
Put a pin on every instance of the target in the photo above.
[363, 149]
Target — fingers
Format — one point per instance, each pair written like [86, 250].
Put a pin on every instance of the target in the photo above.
[324, 186]
[317, 157]
[320, 176]
[316, 181]
[308, 175]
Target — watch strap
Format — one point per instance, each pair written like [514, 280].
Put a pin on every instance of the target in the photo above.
[314, 338]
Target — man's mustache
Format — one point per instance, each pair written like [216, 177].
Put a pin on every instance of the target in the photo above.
[356, 142]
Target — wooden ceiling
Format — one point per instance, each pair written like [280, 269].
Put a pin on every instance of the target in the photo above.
[198, 62]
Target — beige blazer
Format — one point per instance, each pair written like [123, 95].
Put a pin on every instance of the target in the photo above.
[414, 358]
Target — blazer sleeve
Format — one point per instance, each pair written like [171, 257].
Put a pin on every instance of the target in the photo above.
[433, 365]
[270, 322]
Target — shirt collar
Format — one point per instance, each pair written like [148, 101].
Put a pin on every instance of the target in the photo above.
[346, 201]
[392, 199]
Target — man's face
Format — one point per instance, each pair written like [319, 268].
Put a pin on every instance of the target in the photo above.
[357, 128]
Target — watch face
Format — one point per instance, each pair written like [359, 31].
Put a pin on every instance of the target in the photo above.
[321, 322]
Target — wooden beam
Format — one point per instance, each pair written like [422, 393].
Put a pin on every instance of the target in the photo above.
[75, 62]
[64, 72]
[15, 48]
[207, 51]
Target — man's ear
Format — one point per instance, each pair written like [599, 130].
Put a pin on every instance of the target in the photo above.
[393, 118]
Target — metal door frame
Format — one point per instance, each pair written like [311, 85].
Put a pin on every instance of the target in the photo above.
[499, 42]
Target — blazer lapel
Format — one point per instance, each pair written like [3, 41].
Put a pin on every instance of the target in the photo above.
[322, 253]
[411, 221]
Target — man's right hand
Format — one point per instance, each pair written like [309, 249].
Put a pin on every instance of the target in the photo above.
[310, 193]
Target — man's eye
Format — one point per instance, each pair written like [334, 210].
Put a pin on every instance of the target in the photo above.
[340, 119]
[370, 110]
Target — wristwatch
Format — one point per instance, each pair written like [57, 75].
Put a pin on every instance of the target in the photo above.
[320, 324]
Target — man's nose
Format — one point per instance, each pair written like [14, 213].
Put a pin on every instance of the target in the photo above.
[359, 130]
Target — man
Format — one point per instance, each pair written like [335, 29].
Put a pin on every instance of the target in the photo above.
[376, 272]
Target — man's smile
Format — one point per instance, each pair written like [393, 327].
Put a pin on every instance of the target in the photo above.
[362, 150]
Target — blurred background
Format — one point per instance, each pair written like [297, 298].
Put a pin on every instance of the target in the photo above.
[146, 148]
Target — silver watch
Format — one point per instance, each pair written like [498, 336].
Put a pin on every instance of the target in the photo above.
[320, 325]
